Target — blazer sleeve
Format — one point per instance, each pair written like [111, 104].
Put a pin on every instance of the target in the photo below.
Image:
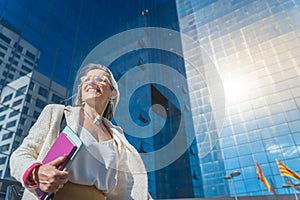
[40, 136]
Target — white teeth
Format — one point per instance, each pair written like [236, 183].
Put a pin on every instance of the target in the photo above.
[94, 90]
[91, 90]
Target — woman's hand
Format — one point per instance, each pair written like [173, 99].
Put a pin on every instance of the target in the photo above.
[51, 179]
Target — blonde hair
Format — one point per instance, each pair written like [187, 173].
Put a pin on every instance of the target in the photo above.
[77, 96]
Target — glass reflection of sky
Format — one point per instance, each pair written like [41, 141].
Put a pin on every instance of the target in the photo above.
[254, 43]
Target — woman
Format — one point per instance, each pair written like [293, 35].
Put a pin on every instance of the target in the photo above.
[106, 167]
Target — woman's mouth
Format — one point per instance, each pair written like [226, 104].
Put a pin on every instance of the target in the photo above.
[94, 90]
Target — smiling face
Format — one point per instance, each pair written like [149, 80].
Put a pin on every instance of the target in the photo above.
[96, 87]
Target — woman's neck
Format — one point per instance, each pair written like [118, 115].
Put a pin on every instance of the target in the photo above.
[93, 112]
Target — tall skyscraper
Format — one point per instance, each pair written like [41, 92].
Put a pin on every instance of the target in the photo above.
[221, 77]
[254, 45]
[24, 92]
[22, 101]
[17, 56]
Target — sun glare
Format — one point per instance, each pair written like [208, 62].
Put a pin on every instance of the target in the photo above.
[235, 90]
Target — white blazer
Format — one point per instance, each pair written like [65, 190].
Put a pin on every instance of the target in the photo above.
[44, 132]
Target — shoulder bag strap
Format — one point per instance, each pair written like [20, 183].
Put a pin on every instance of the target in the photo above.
[63, 122]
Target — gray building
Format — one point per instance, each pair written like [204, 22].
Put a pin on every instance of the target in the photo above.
[24, 92]
[22, 101]
[17, 56]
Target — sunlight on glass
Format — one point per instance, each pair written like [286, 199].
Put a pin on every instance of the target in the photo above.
[236, 90]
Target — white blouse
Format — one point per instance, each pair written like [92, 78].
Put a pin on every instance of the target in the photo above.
[95, 163]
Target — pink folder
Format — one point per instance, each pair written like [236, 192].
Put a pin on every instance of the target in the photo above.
[63, 145]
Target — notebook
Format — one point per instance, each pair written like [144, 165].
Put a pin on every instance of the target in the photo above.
[67, 143]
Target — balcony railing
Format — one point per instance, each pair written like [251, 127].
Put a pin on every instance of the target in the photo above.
[10, 190]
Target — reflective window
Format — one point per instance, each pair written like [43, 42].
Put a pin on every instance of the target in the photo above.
[43, 92]
[7, 98]
[16, 103]
[11, 124]
[254, 45]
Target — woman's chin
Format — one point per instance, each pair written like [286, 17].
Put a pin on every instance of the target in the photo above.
[92, 96]
[95, 99]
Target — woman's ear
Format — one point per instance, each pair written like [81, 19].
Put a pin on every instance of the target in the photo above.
[113, 94]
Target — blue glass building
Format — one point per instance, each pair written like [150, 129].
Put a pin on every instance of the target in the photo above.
[255, 47]
[247, 111]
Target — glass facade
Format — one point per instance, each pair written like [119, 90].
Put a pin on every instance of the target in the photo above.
[255, 47]
[247, 51]
[60, 35]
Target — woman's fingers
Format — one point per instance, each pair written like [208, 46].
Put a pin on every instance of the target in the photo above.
[50, 178]
[58, 161]
[51, 188]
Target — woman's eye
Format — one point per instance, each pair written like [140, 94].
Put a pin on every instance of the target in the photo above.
[85, 79]
[99, 79]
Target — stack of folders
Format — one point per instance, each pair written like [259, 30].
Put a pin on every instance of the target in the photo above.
[67, 144]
